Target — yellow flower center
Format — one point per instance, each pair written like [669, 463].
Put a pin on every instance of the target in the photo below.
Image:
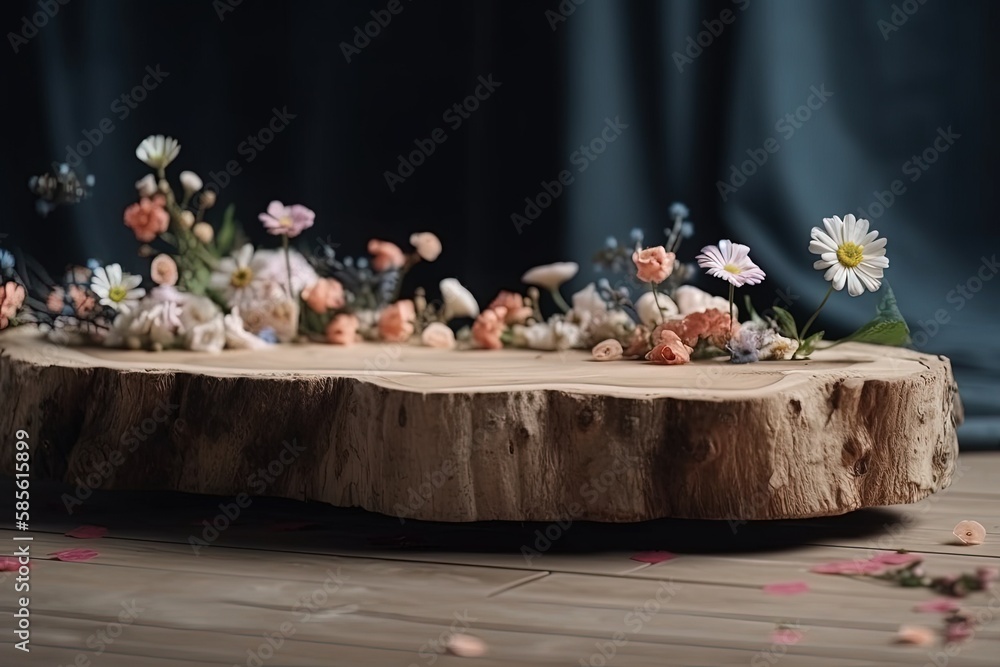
[733, 269]
[850, 254]
[286, 221]
[117, 293]
[241, 277]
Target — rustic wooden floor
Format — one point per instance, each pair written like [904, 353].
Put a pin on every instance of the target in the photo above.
[343, 587]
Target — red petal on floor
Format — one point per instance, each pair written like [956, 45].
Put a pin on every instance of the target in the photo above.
[787, 588]
[653, 556]
[937, 606]
[786, 636]
[74, 555]
[88, 532]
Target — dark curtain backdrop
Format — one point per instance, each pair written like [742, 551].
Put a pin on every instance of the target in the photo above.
[886, 79]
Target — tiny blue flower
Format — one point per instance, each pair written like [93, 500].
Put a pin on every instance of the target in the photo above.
[93, 264]
[679, 210]
[687, 229]
[362, 263]
[604, 284]
[348, 262]
[611, 242]
[636, 235]
[268, 335]
[6, 260]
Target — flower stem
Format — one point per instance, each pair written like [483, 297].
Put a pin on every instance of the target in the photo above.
[656, 300]
[288, 263]
[732, 295]
[809, 322]
[560, 301]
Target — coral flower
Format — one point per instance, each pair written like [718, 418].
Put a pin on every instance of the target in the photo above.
[289, 221]
[653, 265]
[163, 270]
[148, 218]
[323, 295]
[488, 328]
[11, 299]
[395, 324]
[342, 329]
[385, 255]
[428, 245]
[517, 312]
[731, 262]
[670, 350]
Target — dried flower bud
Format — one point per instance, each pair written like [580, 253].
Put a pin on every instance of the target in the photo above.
[207, 199]
[203, 232]
[187, 219]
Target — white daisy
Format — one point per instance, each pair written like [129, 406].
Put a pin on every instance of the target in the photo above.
[731, 262]
[117, 290]
[158, 151]
[849, 254]
[238, 277]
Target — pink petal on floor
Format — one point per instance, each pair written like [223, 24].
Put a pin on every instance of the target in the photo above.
[896, 558]
[74, 555]
[970, 532]
[10, 564]
[787, 588]
[937, 606]
[653, 556]
[466, 646]
[88, 532]
[786, 636]
[916, 635]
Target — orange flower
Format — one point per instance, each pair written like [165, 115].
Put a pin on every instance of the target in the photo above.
[395, 325]
[342, 329]
[147, 219]
[325, 294]
[670, 350]
[517, 312]
[11, 299]
[653, 265]
[488, 327]
[711, 325]
[385, 255]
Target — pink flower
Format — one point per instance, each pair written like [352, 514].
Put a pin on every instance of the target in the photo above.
[163, 270]
[82, 300]
[958, 630]
[395, 324]
[488, 328]
[385, 255]
[148, 218]
[731, 262]
[11, 299]
[669, 350]
[288, 221]
[517, 312]
[653, 265]
[323, 295]
[342, 329]
[786, 588]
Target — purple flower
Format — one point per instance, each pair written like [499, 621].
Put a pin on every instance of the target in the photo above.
[284, 220]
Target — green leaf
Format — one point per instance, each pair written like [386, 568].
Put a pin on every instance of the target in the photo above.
[226, 237]
[887, 328]
[809, 345]
[750, 310]
[786, 322]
